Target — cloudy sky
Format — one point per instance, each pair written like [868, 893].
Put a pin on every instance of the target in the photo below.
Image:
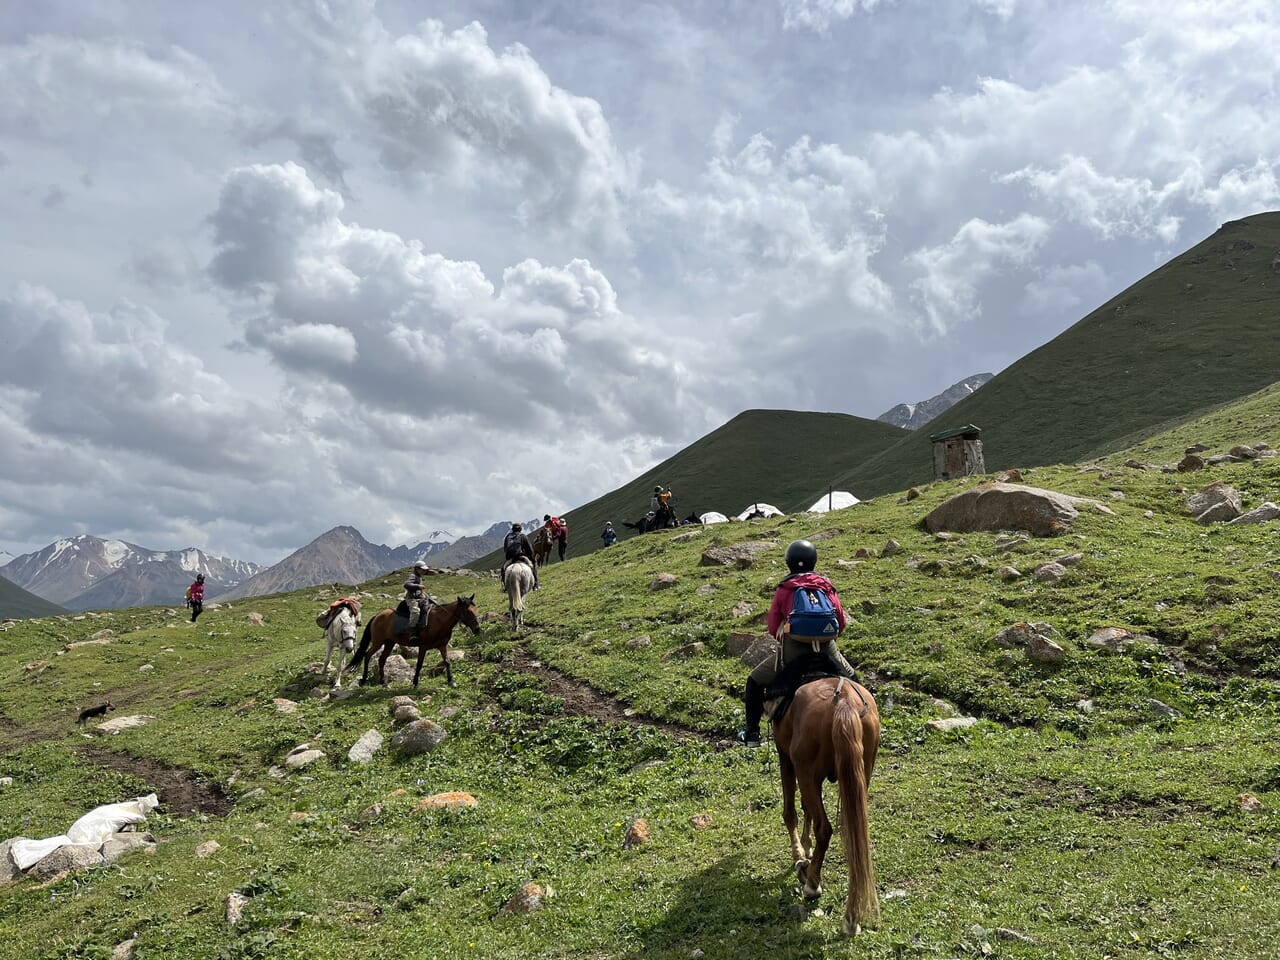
[270, 267]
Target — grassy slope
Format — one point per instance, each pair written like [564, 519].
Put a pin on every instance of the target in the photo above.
[1115, 832]
[746, 460]
[21, 604]
[1201, 330]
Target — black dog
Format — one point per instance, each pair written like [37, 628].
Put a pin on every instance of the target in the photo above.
[88, 713]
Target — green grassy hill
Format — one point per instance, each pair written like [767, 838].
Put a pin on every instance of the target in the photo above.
[1120, 804]
[745, 461]
[1201, 330]
[21, 604]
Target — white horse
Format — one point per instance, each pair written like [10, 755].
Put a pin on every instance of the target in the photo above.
[518, 580]
[340, 633]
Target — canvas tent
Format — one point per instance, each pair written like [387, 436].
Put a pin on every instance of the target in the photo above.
[835, 500]
[768, 509]
[713, 517]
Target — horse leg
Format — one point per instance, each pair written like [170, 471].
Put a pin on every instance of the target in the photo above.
[382, 662]
[328, 654]
[811, 798]
[799, 854]
[417, 671]
[448, 668]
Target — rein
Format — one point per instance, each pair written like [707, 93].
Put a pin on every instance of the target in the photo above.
[854, 687]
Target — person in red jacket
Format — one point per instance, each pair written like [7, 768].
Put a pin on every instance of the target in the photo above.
[802, 557]
[559, 531]
[195, 597]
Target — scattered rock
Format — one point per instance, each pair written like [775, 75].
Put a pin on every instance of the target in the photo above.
[65, 859]
[526, 900]
[6, 782]
[285, 706]
[254, 618]
[363, 750]
[890, 548]
[1217, 502]
[122, 843]
[743, 608]
[236, 903]
[1050, 572]
[1008, 506]
[638, 643]
[663, 581]
[1268, 511]
[637, 834]
[951, 723]
[760, 650]
[706, 589]
[1084, 705]
[1162, 708]
[1008, 573]
[688, 650]
[1111, 639]
[8, 869]
[301, 756]
[1043, 650]
[407, 713]
[452, 800]
[1250, 804]
[1190, 463]
[124, 950]
[700, 821]
[739, 554]
[208, 849]
[123, 723]
[420, 736]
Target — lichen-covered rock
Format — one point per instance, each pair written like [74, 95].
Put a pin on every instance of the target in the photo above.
[69, 857]
[1008, 506]
[420, 736]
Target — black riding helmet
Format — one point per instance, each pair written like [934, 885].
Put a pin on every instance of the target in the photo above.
[802, 556]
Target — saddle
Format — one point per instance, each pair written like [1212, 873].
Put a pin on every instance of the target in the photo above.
[793, 676]
[400, 625]
[325, 618]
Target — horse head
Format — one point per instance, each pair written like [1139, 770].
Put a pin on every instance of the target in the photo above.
[349, 625]
[467, 613]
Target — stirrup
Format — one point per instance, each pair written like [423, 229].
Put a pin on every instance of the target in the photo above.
[749, 738]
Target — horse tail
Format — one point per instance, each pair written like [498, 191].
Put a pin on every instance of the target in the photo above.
[862, 904]
[361, 650]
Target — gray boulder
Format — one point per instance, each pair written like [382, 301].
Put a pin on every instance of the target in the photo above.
[1008, 506]
[420, 736]
[71, 856]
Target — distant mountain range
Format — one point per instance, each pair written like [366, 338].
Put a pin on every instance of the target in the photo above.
[89, 573]
[911, 416]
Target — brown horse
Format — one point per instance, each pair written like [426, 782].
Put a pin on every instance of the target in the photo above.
[435, 636]
[831, 732]
[541, 546]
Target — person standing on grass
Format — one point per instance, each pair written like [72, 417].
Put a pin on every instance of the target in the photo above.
[195, 597]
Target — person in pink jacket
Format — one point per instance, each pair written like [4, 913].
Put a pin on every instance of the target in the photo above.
[802, 557]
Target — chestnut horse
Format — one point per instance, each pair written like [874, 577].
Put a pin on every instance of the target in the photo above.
[541, 546]
[441, 620]
[831, 732]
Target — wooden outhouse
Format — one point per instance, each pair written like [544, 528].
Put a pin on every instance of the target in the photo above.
[957, 453]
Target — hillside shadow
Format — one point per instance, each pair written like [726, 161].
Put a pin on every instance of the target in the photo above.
[725, 911]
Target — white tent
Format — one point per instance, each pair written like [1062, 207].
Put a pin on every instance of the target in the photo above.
[713, 517]
[768, 509]
[836, 500]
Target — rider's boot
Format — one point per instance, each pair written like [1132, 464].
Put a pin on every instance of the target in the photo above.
[754, 701]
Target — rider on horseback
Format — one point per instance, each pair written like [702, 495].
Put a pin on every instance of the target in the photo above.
[802, 557]
[660, 507]
[415, 597]
[516, 548]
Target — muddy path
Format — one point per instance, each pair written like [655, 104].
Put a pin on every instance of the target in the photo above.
[583, 700]
[182, 793]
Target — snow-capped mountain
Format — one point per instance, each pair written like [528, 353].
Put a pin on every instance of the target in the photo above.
[5, 557]
[90, 573]
[912, 416]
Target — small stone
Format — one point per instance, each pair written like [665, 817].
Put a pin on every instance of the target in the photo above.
[526, 900]
[663, 581]
[254, 618]
[208, 849]
[637, 835]
[362, 750]
[407, 713]
[285, 706]
[451, 800]
[946, 724]
[235, 907]
[1249, 803]
[638, 643]
[124, 949]
[6, 782]
[700, 821]
[145, 667]
[1007, 573]
[297, 816]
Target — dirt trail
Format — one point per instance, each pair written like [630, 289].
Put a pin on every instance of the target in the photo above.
[582, 699]
[181, 792]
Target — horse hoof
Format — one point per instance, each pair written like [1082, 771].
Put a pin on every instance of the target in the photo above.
[811, 893]
[802, 871]
[849, 928]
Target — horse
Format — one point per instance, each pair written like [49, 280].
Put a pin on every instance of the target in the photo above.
[517, 581]
[441, 620]
[340, 633]
[692, 518]
[541, 546]
[661, 520]
[831, 732]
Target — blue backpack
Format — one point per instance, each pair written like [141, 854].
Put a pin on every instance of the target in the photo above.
[812, 615]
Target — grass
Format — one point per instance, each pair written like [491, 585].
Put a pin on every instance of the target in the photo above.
[1045, 830]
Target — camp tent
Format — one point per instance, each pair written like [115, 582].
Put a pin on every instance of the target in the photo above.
[836, 500]
[713, 517]
[768, 509]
